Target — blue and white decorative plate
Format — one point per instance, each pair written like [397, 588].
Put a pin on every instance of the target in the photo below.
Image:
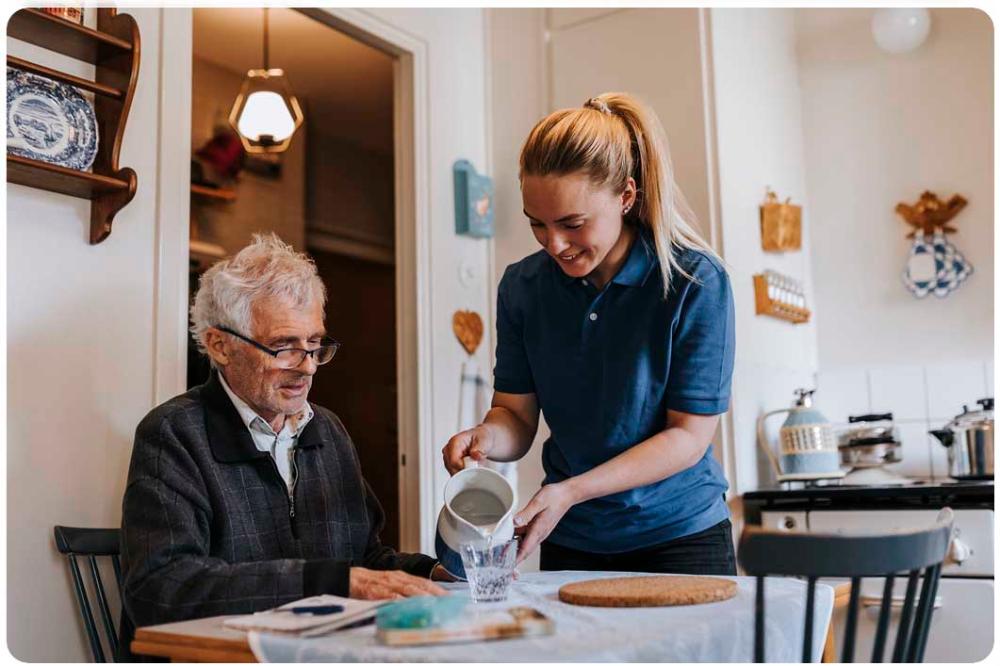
[935, 266]
[49, 121]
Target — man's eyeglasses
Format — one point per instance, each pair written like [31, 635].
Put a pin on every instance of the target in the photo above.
[292, 357]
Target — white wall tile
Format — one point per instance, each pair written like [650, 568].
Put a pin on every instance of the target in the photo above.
[899, 389]
[841, 393]
[939, 454]
[916, 451]
[951, 385]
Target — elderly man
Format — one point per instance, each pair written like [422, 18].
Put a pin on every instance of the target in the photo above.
[241, 495]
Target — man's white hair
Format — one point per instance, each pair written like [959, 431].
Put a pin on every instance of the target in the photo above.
[266, 267]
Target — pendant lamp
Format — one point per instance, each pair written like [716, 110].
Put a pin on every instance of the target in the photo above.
[265, 113]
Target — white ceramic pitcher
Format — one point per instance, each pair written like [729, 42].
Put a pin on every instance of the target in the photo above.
[454, 530]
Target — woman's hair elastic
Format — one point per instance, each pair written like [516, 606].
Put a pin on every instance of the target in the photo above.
[598, 104]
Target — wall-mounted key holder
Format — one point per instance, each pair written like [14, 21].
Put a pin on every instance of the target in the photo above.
[473, 201]
[780, 296]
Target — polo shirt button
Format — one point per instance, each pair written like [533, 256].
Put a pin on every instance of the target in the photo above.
[585, 283]
[593, 316]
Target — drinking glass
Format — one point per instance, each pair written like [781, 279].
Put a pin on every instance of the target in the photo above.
[489, 569]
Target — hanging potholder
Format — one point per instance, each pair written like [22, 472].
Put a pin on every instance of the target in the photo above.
[935, 266]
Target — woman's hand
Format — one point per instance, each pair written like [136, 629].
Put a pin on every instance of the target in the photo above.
[370, 584]
[537, 520]
[476, 443]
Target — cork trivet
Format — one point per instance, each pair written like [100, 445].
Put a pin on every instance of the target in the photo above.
[647, 591]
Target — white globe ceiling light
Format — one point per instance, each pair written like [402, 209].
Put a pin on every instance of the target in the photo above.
[266, 113]
[900, 30]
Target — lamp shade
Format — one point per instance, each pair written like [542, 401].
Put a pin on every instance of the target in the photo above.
[900, 30]
[265, 113]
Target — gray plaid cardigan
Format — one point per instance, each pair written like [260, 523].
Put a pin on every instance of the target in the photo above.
[209, 528]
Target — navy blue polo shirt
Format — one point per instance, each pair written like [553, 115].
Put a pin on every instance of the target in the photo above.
[605, 366]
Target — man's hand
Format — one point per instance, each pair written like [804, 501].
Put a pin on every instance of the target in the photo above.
[537, 520]
[370, 584]
[475, 443]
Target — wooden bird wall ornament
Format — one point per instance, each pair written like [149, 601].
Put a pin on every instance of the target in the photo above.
[468, 327]
[934, 265]
[930, 213]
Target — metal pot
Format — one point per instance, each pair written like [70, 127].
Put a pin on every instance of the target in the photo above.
[969, 440]
[874, 443]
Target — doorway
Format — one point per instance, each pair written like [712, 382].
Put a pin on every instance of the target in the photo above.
[331, 194]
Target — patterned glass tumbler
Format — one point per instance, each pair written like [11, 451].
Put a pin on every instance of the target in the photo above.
[489, 569]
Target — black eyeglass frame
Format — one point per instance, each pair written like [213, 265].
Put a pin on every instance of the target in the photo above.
[325, 342]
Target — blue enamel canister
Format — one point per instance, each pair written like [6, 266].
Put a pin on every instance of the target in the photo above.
[808, 448]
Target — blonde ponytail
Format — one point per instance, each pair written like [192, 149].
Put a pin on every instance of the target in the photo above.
[613, 137]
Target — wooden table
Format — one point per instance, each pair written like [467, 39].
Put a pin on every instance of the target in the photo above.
[194, 640]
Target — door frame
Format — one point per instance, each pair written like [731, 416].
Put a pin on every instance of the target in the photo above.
[412, 253]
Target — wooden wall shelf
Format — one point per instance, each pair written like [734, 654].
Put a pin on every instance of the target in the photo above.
[114, 50]
[62, 36]
[56, 75]
[216, 193]
[55, 178]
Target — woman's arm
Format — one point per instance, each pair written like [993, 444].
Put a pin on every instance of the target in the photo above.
[678, 447]
[505, 434]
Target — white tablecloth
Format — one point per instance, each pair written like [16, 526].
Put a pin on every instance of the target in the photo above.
[721, 631]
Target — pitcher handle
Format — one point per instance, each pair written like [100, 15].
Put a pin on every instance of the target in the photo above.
[468, 462]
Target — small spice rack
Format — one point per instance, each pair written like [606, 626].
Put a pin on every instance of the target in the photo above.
[114, 50]
[779, 296]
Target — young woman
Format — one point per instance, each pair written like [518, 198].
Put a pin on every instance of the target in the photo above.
[621, 332]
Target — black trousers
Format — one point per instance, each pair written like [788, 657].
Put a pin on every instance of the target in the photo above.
[707, 552]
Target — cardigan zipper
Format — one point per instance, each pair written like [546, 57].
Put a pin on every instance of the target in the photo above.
[290, 488]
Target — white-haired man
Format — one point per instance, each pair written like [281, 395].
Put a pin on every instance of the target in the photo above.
[241, 495]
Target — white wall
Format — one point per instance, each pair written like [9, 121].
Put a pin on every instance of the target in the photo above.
[880, 129]
[652, 53]
[80, 367]
[760, 144]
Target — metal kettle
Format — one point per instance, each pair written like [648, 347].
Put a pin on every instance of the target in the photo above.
[969, 440]
[808, 449]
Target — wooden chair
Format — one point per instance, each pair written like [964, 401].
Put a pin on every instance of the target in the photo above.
[77, 542]
[841, 595]
[916, 554]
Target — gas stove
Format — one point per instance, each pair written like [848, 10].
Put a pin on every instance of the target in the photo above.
[962, 628]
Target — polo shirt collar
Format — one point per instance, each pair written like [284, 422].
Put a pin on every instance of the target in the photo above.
[640, 262]
[228, 437]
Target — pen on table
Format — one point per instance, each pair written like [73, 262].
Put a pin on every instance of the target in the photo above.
[313, 610]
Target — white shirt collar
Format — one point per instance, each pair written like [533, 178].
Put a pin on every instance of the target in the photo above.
[251, 419]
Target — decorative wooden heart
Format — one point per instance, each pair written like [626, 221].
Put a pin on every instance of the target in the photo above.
[468, 327]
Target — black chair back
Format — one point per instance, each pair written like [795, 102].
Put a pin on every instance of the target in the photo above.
[916, 555]
[89, 544]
